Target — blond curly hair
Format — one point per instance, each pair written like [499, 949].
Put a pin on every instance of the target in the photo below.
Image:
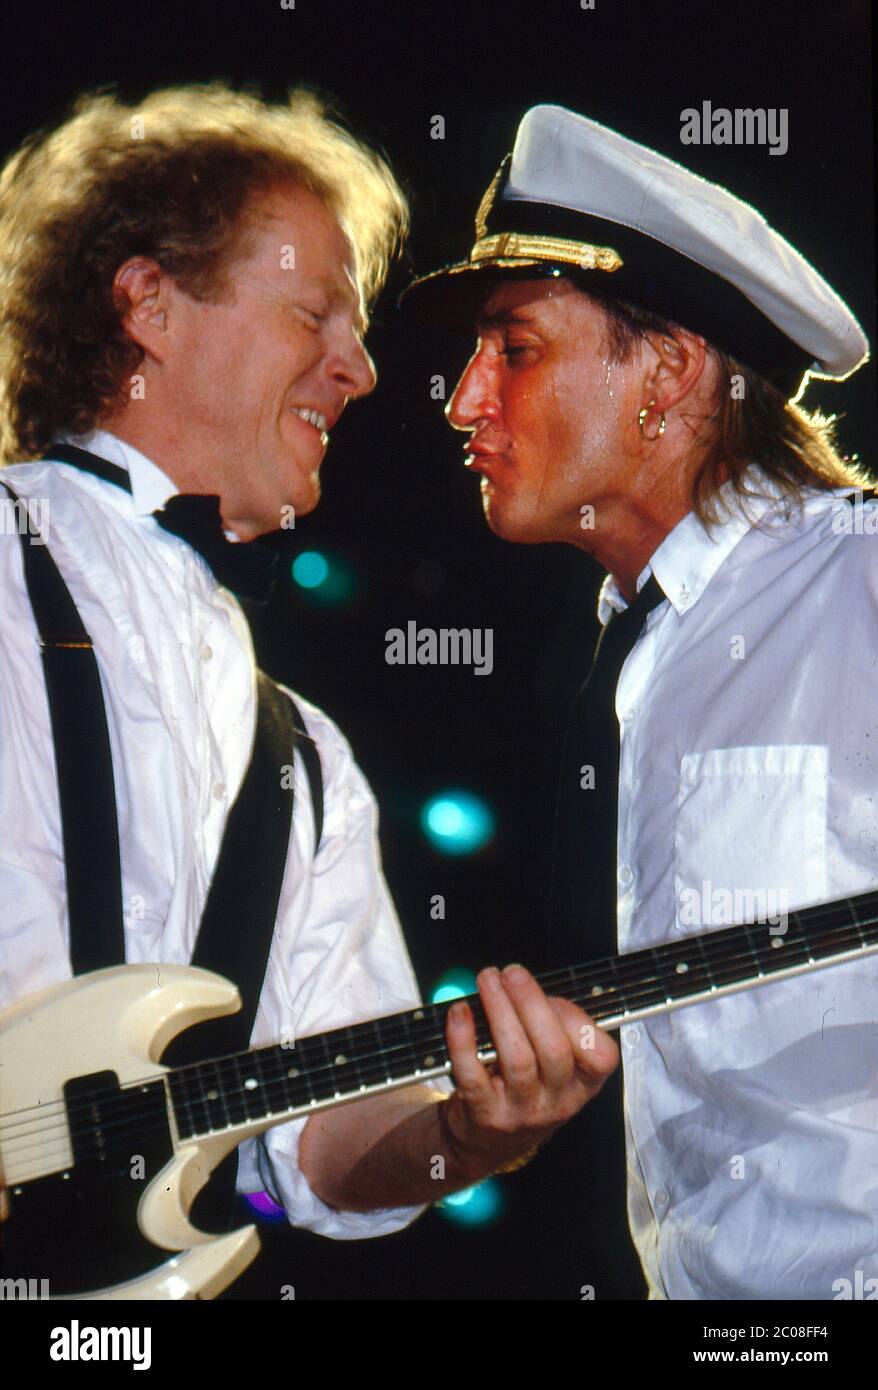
[170, 178]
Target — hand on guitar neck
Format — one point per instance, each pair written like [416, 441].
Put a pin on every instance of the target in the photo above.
[550, 1060]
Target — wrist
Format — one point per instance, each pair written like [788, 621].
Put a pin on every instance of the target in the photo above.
[473, 1162]
[459, 1153]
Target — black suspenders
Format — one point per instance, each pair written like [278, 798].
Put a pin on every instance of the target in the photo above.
[238, 921]
[84, 766]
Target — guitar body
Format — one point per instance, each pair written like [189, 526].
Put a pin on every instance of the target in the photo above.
[104, 1213]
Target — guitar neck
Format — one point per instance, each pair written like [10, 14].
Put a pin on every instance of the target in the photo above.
[277, 1083]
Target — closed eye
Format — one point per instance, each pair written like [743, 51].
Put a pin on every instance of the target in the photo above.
[314, 317]
[515, 351]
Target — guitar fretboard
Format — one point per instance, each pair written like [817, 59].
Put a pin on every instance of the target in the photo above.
[326, 1069]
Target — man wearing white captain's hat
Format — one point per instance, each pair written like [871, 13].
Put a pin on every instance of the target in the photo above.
[644, 341]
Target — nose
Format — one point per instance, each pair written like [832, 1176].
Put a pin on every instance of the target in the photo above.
[354, 369]
[474, 397]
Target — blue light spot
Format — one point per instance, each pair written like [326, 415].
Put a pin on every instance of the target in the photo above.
[326, 579]
[474, 1206]
[454, 984]
[456, 822]
[443, 993]
[460, 1199]
[310, 569]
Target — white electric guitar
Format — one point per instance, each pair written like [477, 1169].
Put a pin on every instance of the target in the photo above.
[115, 1147]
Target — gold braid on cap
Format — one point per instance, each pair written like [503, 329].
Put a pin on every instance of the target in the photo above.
[484, 208]
[523, 246]
[508, 247]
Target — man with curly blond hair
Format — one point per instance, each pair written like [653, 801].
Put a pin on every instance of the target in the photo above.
[184, 288]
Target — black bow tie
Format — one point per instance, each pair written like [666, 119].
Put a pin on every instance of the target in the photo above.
[248, 568]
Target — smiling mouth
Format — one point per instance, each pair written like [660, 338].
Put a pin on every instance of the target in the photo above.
[315, 419]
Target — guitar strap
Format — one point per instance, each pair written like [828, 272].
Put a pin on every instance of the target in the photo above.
[234, 937]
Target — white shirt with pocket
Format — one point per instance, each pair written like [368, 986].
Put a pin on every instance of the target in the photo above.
[748, 717]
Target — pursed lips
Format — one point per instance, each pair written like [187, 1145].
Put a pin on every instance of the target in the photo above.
[479, 460]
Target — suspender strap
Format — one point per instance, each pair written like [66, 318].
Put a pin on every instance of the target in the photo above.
[239, 916]
[112, 473]
[313, 771]
[83, 763]
[238, 920]
[89, 463]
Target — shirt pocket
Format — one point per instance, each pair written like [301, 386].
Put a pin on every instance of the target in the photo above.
[749, 833]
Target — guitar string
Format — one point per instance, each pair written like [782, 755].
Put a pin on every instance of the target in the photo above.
[284, 1113]
[620, 971]
[361, 1063]
[650, 985]
[402, 1030]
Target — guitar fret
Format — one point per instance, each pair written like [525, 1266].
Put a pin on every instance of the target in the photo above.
[752, 947]
[298, 1088]
[346, 1069]
[214, 1103]
[691, 968]
[857, 925]
[669, 986]
[252, 1090]
[328, 1087]
[599, 988]
[178, 1086]
[699, 943]
[405, 1020]
[376, 1029]
[790, 947]
[614, 985]
[236, 1095]
[627, 995]
[796, 935]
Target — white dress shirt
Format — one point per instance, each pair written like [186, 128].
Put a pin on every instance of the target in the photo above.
[179, 680]
[748, 713]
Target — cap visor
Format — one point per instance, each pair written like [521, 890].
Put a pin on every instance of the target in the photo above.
[452, 297]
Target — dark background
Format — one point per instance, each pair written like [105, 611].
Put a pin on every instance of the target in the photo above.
[401, 511]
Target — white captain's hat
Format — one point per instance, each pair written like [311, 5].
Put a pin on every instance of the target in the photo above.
[577, 198]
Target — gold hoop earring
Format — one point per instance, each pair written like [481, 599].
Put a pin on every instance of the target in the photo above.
[643, 416]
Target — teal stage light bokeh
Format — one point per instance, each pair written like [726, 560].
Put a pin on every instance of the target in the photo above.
[457, 822]
[454, 984]
[474, 1206]
[324, 579]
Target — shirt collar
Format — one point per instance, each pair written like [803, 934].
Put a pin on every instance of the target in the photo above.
[690, 555]
[150, 487]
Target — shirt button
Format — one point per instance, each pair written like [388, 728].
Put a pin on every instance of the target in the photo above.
[625, 874]
[219, 790]
[206, 652]
[628, 716]
[661, 1197]
[631, 1034]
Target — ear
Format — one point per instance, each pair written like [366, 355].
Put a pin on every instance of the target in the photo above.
[141, 293]
[679, 360]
